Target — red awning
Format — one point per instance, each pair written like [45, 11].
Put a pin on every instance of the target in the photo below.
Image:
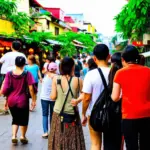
[5, 43]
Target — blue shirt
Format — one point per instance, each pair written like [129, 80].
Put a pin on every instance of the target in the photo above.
[33, 69]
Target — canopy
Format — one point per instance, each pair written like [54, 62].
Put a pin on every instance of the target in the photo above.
[146, 54]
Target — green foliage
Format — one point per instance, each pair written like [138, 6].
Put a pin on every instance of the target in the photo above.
[114, 39]
[68, 48]
[133, 21]
[37, 38]
[7, 7]
[21, 22]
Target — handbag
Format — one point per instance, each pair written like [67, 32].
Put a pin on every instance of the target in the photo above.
[67, 118]
[104, 109]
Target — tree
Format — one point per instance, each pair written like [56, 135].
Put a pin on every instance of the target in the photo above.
[67, 47]
[133, 21]
[37, 39]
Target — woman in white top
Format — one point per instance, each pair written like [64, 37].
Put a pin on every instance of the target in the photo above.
[47, 103]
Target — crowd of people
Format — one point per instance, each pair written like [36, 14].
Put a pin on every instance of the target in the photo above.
[66, 82]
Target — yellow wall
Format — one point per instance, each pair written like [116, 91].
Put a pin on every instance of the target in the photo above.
[6, 27]
[52, 28]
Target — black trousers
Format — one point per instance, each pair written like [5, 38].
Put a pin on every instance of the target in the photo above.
[136, 133]
[113, 137]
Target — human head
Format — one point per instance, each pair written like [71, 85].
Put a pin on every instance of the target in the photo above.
[20, 61]
[130, 55]
[74, 57]
[101, 53]
[116, 59]
[58, 58]
[50, 59]
[52, 67]
[91, 64]
[16, 45]
[67, 66]
[116, 65]
[142, 60]
[31, 59]
[84, 61]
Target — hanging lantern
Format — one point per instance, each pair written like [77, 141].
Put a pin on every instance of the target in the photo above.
[44, 55]
[137, 43]
[7, 48]
[1, 49]
[31, 51]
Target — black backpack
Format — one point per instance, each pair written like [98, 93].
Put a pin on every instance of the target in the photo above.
[105, 110]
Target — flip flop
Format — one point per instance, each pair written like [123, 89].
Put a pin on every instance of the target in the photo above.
[24, 140]
[14, 141]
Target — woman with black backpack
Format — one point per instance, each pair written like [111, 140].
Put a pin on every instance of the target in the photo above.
[113, 137]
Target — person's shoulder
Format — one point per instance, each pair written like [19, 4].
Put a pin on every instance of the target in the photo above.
[8, 54]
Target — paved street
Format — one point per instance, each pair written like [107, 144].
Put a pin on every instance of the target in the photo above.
[34, 133]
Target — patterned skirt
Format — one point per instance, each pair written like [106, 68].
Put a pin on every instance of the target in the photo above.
[71, 138]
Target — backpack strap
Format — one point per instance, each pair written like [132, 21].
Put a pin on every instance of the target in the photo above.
[103, 78]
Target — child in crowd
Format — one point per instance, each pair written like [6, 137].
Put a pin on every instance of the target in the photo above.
[34, 69]
[47, 103]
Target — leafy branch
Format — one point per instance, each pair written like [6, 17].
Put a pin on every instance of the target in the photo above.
[133, 21]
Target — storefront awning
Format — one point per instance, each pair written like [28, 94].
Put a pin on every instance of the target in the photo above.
[53, 42]
[146, 54]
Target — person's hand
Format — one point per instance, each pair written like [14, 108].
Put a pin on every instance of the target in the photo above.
[84, 120]
[6, 106]
[74, 102]
[41, 80]
[33, 105]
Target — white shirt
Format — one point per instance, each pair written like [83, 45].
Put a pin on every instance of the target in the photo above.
[93, 85]
[45, 66]
[8, 61]
[58, 66]
[46, 88]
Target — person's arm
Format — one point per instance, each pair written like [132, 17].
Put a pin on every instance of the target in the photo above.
[2, 59]
[30, 81]
[44, 70]
[33, 96]
[53, 95]
[116, 92]
[118, 81]
[40, 76]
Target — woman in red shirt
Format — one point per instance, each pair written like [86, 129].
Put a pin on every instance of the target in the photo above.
[134, 82]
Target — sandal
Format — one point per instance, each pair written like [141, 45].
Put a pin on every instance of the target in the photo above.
[24, 140]
[14, 140]
[45, 136]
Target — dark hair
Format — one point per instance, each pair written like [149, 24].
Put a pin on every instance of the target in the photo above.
[33, 59]
[66, 66]
[142, 60]
[20, 61]
[101, 51]
[16, 45]
[92, 65]
[74, 57]
[117, 64]
[58, 57]
[131, 54]
[51, 59]
[84, 61]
